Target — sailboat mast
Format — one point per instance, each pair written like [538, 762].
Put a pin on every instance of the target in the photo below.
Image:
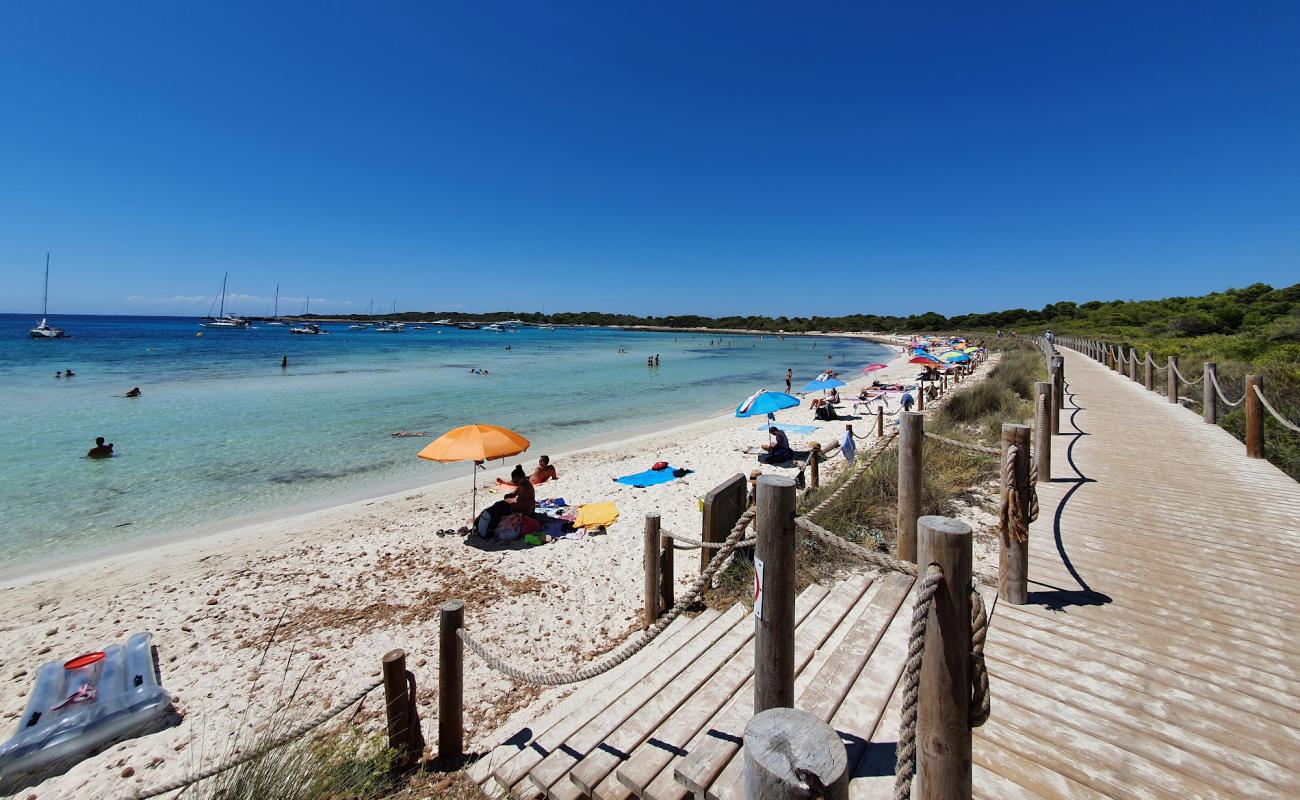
[275, 312]
[45, 303]
[222, 312]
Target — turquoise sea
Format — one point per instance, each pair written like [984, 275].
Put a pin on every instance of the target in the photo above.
[222, 433]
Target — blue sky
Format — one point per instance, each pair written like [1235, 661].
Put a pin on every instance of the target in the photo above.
[655, 158]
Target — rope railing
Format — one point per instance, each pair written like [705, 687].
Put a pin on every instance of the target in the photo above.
[1214, 379]
[1286, 423]
[1013, 522]
[1182, 377]
[694, 593]
[277, 742]
[977, 448]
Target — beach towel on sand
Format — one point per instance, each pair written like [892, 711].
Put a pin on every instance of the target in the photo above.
[781, 426]
[593, 514]
[652, 477]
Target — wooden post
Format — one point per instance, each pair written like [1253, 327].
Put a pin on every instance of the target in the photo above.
[784, 747]
[1150, 376]
[814, 465]
[920, 396]
[650, 562]
[1254, 417]
[1058, 390]
[774, 595]
[943, 734]
[880, 422]
[1133, 364]
[665, 573]
[397, 706]
[451, 684]
[911, 435]
[1053, 408]
[1013, 557]
[1209, 400]
[1042, 429]
[1173, 379]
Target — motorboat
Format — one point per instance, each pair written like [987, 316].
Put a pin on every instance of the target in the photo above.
[467, 326]
[308, 329]
[43, 329]
[495, 328]
[390, 327]
[224, 320]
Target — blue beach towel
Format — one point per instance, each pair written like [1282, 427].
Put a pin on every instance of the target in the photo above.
[651, 477]
[789, 428]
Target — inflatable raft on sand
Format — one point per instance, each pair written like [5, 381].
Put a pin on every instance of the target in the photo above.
[81, 707]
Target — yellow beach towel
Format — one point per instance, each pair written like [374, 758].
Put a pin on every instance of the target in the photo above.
[593, 514]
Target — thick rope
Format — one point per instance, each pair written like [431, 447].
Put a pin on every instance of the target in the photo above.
[977, 448]
[687, 543]
[905, 760]
[279, 741]
[1283, 420]
[693, 594]
[876, 559]
[1182, 378]
[1214, 379]
[1012, 523]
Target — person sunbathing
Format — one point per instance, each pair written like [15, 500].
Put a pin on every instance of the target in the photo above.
[545, 472]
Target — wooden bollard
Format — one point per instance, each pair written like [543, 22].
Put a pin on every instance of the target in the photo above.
[1013, 557]
[1133, 364]
[1054, 410]
[1209, 400]
[650, 563]
[1254, 417]
[1149, 378]
[787, 750]
[665, 573]
[1172, 382]
[451, 684]
[814, 465]
[1043, 429]
[943, 734]
[1058, 390]
[880, 422]
[774, 554]
[920, 396]
[911, 436]
[397, 706]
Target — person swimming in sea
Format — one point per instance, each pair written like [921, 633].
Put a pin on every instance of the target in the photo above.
[100, 450]
[133, 393]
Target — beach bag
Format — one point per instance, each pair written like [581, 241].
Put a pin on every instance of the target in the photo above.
[483, 525]
[529, 524]
[508, 528]
[658, 465]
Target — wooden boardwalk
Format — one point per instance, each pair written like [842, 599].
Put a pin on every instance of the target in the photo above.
[1158, 656]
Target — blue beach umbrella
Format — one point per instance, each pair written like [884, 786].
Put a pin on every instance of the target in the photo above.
[823, 386]
[765, 402]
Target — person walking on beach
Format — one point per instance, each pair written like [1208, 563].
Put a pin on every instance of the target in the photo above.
[656, 359]
[789, 376]
[100, 450]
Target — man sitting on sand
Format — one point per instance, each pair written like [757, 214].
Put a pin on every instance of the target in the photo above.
[100, 450]
[779, 450]
[544, 472]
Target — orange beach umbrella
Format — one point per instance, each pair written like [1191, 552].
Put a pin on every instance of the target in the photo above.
[474, 443]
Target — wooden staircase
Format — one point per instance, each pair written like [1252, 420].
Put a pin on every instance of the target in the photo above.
[669, 722]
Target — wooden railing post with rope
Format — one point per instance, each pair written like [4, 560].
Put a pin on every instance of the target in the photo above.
[451, 684]
[1209, 402]
[774, 555]
[880, 421]
[402, 724]
[1133, 364]
[814, 468]
[1254, 417]
[1042, 429]
[1149, 373]
[1013, 557]
[1172, 382]
[943, 728]
[911, 437]
[1054, 408]
[650, 562]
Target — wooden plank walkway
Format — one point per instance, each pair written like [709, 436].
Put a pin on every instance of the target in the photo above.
[1159, 655]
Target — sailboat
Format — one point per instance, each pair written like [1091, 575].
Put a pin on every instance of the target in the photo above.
[275, 312]
[306, 327]
[45, 330]
[223, 320]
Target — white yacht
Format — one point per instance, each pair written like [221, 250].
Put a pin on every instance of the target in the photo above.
[308, 329]
[43, 329]
[224, 320]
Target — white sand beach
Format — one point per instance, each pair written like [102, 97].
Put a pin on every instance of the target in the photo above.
[319, 598]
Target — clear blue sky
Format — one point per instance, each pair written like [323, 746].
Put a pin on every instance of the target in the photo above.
[653, 158]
